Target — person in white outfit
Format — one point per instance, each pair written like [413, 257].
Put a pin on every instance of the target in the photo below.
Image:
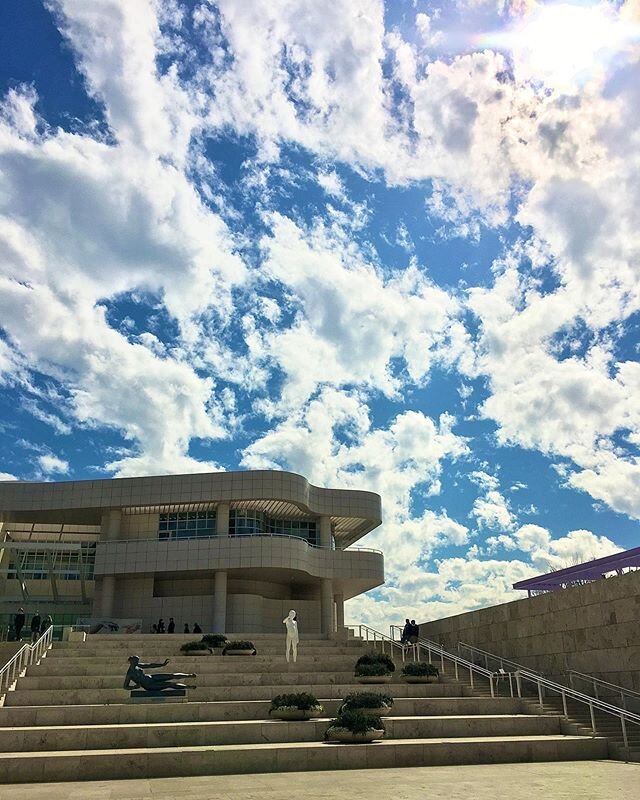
[292, 635]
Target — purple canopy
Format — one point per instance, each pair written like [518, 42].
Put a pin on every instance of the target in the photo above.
[582, 573]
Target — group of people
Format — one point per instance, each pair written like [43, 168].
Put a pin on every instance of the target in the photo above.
[38, 624]
[410, 632]
[159, 627]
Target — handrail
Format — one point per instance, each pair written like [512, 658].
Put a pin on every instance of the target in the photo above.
[26, 655]
[623, 691]
[544, 683]
[513, 666]
[231, 537]
[433, 647]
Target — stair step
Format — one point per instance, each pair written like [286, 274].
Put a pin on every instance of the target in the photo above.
[191, 734]
[256, 758]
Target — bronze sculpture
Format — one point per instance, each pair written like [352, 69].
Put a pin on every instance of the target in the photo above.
[158, 682]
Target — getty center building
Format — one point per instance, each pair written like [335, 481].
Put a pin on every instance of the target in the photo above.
[233, 551]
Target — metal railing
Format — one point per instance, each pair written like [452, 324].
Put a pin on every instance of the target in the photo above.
[26, 656]
[544, 684]
[600, 687]
[431, 649]
[491, 661]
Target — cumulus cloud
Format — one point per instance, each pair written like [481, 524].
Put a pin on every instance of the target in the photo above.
[51, 464]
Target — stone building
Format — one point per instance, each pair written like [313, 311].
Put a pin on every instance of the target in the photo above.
[233, 551]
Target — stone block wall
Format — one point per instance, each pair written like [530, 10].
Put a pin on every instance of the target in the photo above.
[593, 628]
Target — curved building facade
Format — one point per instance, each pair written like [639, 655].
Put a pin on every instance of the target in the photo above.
[232, 551]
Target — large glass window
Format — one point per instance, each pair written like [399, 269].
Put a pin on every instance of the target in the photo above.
[67, 565]
[253, 523]
[187, 525]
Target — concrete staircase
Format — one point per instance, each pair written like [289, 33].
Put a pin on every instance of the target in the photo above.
[68, 718]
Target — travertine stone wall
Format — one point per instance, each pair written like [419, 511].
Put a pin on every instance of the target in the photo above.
[593, 628]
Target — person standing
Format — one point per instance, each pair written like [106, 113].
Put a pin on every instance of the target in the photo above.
[196, 628]
[186, 628]
[46, 622]
[18, 623]
[35, 626]
[406, 632]
[171, 627]
[161, 626]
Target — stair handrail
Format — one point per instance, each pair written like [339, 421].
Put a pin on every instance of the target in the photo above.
[511, 666]
[27, 655]
[433, 647]
[565, 692]
[622, 690]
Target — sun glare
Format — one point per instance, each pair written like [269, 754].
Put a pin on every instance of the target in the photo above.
[563, 44]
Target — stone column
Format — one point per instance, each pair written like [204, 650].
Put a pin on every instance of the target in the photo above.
[109, 531]
[326, 606]
[325, 531]
[220, 601]
[222, 520]
[339, 601]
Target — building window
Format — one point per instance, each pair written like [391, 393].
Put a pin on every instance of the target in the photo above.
[187, 525]
[255, 523]
[67, 565]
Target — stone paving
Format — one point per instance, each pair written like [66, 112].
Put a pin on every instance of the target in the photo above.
[575, 780]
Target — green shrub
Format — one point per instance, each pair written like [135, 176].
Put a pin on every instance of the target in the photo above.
[357, 700]
[376, 658]
[356, 722]
[302, 701]
[192, 647]
[214, 639]
[419, 669]
[240, 645]
[371, 670]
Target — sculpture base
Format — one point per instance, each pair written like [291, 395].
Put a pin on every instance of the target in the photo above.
[168, 696]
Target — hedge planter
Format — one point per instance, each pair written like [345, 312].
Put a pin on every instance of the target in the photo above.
[420, 672]
[297, 706]
[374, 678]
[195, 649]
[348, 737]
[371, 704]
[241, 648]
[354, 727]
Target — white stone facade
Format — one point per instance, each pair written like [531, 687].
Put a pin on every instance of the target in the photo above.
[230, 551]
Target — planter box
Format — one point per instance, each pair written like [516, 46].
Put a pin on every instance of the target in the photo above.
[347, 737]
[421, 678]
[294, 714]
[374, 678]
[239, 653]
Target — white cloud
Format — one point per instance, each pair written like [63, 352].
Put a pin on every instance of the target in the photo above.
[51, 464]
[492, 511]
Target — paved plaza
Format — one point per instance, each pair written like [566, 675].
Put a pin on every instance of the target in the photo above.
[574, 780]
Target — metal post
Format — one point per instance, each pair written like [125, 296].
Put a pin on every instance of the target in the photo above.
[519, 683]
[456, 668]
[511, 684]
[539, 692]
[593, 719]
[493, 694]
[442, 661]
[564, 704]
[471, 676]
[624, 731]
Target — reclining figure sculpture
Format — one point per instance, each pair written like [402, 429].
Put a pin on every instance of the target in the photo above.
[157, 682]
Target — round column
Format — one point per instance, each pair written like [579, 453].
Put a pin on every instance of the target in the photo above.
[339, 601]
[109, 531]
[326, 606]
[220, 601]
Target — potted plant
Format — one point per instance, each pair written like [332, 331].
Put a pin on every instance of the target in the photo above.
[214, 640]
[369, 703]
[420, 672]
[374, 668]
[239, 648]
[354, 727]
[195, 649]
[300, 705]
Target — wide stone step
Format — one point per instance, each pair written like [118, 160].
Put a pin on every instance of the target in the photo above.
[173, 651]
[198, 734]
[203, 679]
[78, 765]
[129, 713]
[43, 697]
[200, 664]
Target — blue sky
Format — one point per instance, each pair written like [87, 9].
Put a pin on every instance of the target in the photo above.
[389, 247]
